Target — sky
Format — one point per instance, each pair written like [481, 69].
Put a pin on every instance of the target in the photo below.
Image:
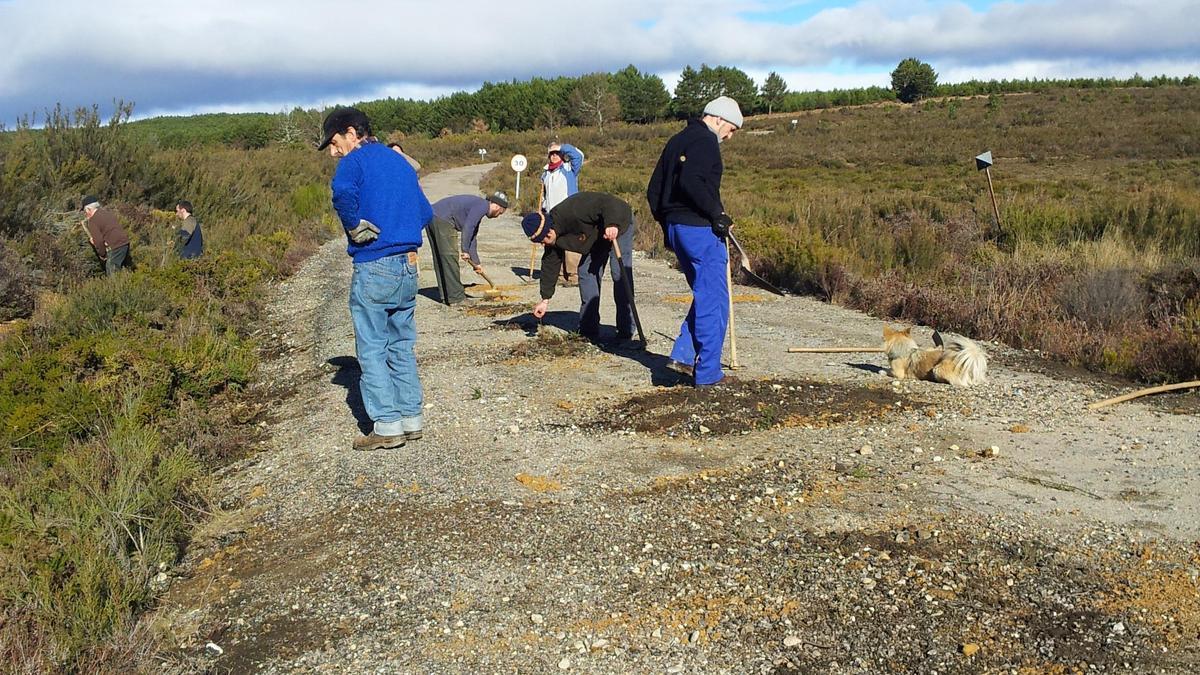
[171, 57]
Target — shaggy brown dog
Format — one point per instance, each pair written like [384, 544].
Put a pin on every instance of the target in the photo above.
[955, 360]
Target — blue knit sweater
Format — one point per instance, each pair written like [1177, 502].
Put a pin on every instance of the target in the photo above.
[376, 184]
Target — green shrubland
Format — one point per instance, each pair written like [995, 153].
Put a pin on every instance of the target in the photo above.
[118, 395]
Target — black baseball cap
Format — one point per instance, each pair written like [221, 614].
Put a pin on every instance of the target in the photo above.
[341, 119]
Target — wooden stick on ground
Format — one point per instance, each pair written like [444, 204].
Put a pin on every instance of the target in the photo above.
[832, 350]
[1143, 392]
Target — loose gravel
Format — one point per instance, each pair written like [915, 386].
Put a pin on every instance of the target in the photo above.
[573, 508]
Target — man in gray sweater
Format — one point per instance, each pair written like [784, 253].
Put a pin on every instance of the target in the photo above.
[452, 236]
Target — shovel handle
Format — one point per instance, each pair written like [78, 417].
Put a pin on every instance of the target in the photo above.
[479, 271]
[637, 320]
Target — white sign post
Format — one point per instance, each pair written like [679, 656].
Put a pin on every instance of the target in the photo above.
[482, 154]
[519, 164]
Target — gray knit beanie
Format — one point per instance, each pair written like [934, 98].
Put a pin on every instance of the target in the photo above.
[725, 108]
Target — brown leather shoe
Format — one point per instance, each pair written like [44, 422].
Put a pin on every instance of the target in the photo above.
[681, 368]
[726, 381]
[374, 441]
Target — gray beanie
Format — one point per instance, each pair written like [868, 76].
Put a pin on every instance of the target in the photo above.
[725, 108]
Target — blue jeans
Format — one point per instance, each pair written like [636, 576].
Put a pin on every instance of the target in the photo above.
[703, 259]
[383, 302]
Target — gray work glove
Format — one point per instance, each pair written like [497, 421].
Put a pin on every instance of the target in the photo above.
[365, 233]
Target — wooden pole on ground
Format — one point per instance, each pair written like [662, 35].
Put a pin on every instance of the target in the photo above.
[733, 359]
[1143, 392]
[833, 350]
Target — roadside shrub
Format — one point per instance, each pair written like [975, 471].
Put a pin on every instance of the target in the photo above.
[1104, 298]
[16, 285]
[83, 537]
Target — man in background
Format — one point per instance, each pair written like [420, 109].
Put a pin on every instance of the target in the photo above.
[399, 149]
[189, 240]
[452, 235]
[106, 235]
[383, 211]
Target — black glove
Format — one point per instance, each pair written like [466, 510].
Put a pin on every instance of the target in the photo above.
[721, 225]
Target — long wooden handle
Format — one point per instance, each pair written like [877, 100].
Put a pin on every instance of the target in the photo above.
[479, 271]
[733, 359]
[1143, 392]
[637, 320]
[833, 350]
[532, 255]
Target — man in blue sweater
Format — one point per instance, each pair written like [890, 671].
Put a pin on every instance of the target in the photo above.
[383, 210]
[685, 198]
[452, 235]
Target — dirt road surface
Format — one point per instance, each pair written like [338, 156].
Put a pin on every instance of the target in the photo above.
[576, 508]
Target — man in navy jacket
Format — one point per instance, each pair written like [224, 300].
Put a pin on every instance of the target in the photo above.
[383, 210]
[685, 198]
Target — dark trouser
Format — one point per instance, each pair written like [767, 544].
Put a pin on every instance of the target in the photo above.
[443, 239]
[118, 258]
[591, 268]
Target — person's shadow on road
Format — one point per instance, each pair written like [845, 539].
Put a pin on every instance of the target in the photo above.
[347, 376]
[526, 273]
[432, 292]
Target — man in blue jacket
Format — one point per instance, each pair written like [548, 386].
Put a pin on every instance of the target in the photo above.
[685, 198]
[383, 210]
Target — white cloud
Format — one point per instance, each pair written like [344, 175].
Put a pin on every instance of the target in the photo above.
[228, 54]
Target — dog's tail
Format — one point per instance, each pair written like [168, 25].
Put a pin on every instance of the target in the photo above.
[970, 361]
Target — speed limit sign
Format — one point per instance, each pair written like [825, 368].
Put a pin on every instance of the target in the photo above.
[519, 164]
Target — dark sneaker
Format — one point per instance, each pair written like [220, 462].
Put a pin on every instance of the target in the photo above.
[374, 441]
[681, 368]
[413, 435]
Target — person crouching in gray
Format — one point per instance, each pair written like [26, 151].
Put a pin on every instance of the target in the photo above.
[452, 236]
[589, 223]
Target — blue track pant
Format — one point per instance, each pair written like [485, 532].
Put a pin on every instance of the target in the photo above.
[703, 259]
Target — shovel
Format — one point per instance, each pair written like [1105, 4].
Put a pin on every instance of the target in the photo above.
[745, 265]
[492, 291]
[637, 321]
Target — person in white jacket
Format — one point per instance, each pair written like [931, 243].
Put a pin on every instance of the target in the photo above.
[560, 179]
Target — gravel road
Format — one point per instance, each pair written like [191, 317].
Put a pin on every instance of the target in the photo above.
[572, 509]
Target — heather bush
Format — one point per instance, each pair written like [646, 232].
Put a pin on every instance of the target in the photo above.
[16, 285]
[117, 393]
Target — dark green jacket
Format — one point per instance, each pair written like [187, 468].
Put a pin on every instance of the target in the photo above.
[580, 221]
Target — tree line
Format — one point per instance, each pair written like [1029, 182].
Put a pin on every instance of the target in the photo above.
[594, 100]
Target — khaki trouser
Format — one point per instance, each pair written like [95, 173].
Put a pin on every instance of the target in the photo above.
[571, 260]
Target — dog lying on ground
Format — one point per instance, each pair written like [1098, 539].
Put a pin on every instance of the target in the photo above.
[955, 360]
